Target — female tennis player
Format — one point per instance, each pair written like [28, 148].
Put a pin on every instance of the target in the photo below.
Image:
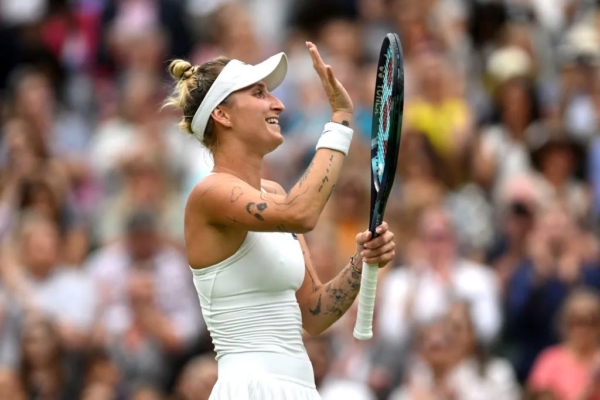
[254, 277]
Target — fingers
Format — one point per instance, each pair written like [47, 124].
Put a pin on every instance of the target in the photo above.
[318, 63]
[330, 77]
[382, 228]
[319, 66]
[380, 240]
[374, 256]
[363, 238]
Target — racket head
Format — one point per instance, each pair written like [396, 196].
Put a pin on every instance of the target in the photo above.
[386, 130]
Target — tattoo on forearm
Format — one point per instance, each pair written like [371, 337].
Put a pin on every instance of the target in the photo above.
[236, 192]
[326, 178]
[305, 175]
[330, 192]
[338, 296]
[259, 208]
[282, 228]
[317, 310]
[265, 196]
[312, 279]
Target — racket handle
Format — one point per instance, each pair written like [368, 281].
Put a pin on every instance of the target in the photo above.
[363, 330]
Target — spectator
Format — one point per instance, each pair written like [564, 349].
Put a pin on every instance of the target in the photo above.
[175, 321]
[420, 292]
[571, 368]
[428, 377]
[476, 374]
[10, 385]
[197, 378]
[45, 370]
[555, 264]
[41, 284]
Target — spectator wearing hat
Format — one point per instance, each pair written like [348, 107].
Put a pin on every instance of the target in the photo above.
[560, 163]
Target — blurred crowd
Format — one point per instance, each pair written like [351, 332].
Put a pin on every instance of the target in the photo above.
[496, 209]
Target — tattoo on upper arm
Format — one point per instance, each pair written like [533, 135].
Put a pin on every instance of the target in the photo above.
[236, 192]
[259, 207]
[235, 221]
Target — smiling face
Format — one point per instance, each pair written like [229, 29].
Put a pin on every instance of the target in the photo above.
[251, 117]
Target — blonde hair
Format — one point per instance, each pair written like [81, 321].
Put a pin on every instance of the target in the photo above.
[192, 85]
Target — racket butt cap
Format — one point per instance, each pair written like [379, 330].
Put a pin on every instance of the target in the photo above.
[363, 335]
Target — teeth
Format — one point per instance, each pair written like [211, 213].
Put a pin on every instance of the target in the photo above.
[272, 121]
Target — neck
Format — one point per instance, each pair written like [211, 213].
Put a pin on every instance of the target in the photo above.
[247, 167]
[517, 129]
[439, 373]
[556, 180]
[581, 351]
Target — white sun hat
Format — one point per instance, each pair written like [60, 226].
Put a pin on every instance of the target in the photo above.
[237, 75]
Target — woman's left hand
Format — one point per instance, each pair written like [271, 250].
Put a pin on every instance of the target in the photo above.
[379, 250]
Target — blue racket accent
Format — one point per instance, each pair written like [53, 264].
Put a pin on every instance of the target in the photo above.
[383, 125]
[386, 134]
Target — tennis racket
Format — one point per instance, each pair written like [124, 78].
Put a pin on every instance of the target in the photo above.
[385, 144]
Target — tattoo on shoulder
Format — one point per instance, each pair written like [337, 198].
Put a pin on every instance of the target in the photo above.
[236, 192]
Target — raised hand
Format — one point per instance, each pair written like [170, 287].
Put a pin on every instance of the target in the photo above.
[337, 95]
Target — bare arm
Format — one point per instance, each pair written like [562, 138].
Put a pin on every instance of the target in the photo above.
[225, 200]
[323, 304]
[228, 201]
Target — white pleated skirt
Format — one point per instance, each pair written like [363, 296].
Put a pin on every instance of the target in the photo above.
[262, 388]
[263, 376]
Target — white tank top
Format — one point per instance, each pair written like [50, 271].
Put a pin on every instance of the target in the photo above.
[250, 308]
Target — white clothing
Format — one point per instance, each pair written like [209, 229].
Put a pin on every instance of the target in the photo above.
[250, 309]
[110, 268]
[468, 382]
[469, 281]
[66, 294]
[334, 389]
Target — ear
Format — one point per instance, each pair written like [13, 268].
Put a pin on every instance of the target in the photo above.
[221, 117]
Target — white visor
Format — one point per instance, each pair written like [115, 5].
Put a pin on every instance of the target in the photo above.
[237, 75]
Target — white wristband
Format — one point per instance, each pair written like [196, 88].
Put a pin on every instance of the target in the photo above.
[335, 137]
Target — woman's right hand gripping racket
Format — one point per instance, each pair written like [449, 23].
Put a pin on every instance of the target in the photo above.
[385, 145]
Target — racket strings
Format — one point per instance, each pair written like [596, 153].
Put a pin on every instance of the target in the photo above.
[384, 117]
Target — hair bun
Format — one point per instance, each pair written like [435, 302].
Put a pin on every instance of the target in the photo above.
[179, 69]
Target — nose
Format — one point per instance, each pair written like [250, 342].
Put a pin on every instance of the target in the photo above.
[277, 105]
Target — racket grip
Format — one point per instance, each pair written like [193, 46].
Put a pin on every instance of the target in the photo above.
[363, 330]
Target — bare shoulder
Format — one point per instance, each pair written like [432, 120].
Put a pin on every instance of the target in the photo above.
[213, 185]
[272, 187]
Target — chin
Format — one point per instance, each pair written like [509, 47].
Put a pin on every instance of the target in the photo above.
[275, 143]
